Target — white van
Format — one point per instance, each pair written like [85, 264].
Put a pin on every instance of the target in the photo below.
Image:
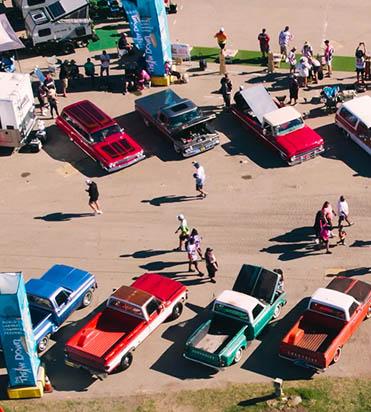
[354, 118]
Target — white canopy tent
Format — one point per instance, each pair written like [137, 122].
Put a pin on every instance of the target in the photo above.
[8, 38]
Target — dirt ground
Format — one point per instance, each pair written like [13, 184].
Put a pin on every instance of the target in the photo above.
[258, 211]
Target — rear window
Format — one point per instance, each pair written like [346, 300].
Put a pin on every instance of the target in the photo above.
[37, 300]
[327, 310]
[348, 116]
[126, 307]
[231, 311]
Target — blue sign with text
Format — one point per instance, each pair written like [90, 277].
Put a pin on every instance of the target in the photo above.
[16, 334]
[135, 23]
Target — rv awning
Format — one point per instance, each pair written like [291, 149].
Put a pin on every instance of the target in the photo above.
[8, 38]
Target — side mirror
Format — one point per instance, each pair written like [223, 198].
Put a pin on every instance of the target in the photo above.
[264, 132]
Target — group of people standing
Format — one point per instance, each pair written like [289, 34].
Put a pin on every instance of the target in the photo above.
[323, 224]
[192, 243]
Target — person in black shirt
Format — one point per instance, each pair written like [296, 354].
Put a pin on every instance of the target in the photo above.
[64, 74]
[93, 196]
[226, 89]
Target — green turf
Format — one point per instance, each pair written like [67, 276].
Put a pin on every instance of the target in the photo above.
[107, 40]
[253, 58]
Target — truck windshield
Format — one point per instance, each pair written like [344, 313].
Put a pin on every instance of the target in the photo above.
[180, 120]
[318, 307]
[126, 307]
[100, 135]
[39, 301]
[227, 310]
[288, 127]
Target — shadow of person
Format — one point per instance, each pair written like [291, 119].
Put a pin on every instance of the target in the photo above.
[351, 272]
[142, 254]
[62, 217]
[360, 243]
[254, 401]
[160, 265]
[158, 201]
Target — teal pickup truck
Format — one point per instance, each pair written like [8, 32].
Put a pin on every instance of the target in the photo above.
[237, 317]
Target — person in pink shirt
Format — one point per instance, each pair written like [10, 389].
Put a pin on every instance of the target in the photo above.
[325, 235]
[328, 213]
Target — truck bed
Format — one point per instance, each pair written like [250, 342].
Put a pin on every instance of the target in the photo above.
[102, 333]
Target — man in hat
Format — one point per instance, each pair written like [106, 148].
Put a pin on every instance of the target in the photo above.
[221, 38]
[184, 231]
[93, 196]
[200, 178]
[64, 74]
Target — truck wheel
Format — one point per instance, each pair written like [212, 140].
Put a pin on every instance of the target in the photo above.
[238, 355]
[368, 315]
[86, 300]
[177, 311]
[126, 361]
[41, 346]
[337, 355]
[277, 311]
[68, 48]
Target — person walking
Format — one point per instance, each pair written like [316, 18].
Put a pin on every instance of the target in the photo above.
[200, 178]
[221, 38]
[342, 236]
[284, 38]
[197, 238]
[93, 196]
[318, 223]
[192, 256]
[293, 88]
[211, 264]
[105, 61]
[329, 53]
[90, 70]
[184, 231]
[42, 97]
[291, 58]
[64, 74]
[325, 235]
[361, 62]
[264, 43]
[328, 213]
[53, 103]
[226, 89]
[343, 211]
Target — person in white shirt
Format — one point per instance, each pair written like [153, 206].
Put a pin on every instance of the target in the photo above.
[105, 60]
[292, 60]
[283, 40]
[200, 179]
[303, 69]
[192, 256]
[343, 211]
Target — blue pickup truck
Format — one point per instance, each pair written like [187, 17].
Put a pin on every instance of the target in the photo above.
[55, 296]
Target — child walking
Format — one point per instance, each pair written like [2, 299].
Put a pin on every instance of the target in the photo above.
[342, 236]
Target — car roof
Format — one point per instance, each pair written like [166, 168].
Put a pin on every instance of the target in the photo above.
[238, 300]
[135, 296]
[334, 298]
[282, 115]
[90, 116]
[360, 107]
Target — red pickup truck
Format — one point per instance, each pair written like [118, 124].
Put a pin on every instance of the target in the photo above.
[280, 128]
[132, 313]
[332, 316]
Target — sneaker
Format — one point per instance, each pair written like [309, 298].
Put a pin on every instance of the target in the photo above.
[99, 212]
[329, 253]
[351, 224]
[200, 274]
[212, 280]
[316, 241]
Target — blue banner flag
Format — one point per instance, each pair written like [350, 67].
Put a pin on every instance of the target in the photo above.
[156, 35]
[135, 23]
[16, 333]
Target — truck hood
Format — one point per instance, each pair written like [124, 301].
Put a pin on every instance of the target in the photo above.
[59, 275]
[159, 286]
[202, 119]
[117, 147]
[299, 141]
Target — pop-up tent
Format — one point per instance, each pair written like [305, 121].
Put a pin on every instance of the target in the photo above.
[8, 38]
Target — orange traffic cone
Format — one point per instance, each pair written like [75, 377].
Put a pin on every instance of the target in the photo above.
[48, 388]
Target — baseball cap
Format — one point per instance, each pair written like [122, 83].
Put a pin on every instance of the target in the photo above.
[180, 217]
[241, 87]
[88, 182]
[221, 29]
[196, 164]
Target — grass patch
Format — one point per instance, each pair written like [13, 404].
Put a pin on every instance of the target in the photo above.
[107, 40]
[318, 395]
[208, 53]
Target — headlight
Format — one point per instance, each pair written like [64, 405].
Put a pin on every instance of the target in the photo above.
[292, 159]
[111, 165]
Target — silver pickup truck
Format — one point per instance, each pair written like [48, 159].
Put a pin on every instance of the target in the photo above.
[179, 120]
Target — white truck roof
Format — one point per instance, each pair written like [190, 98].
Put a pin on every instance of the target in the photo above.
[238, 300]
[360, 107]
[13, 82]
[282, 115]
[333, 298]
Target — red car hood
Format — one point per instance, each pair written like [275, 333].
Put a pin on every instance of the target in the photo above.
[117, 147]
[158, 285]
[299, 141]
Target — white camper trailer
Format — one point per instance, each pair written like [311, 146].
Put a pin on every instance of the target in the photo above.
[64, 24]
[17, 109]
